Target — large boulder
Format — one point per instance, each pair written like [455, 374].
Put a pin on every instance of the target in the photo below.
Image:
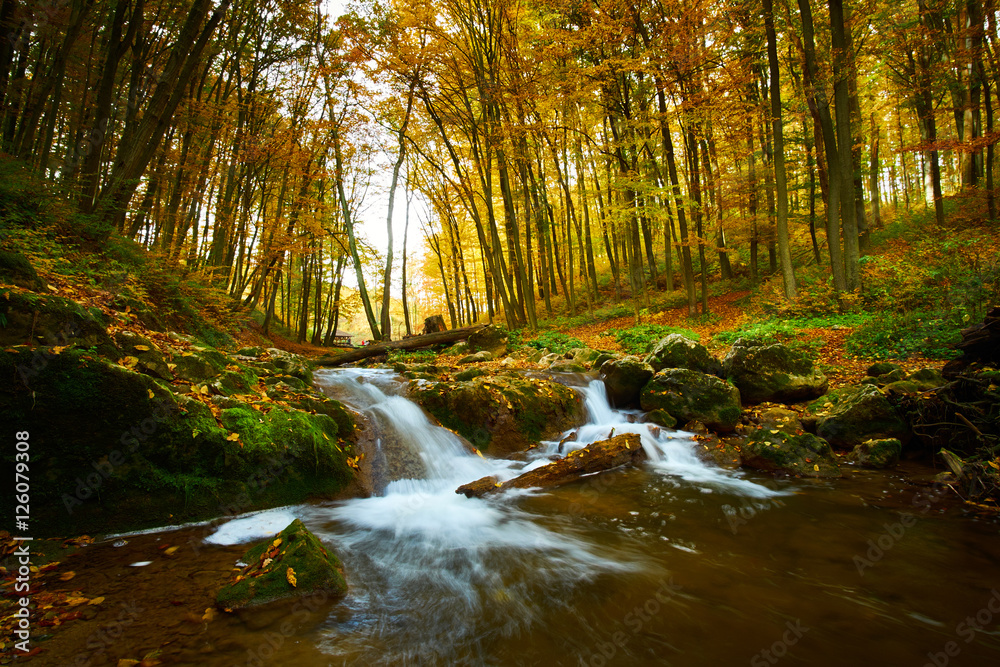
[859, 415]
[489, 339]
[16, 269]
[501, 414]
[624, 379]
[147, 356]
[620, 450]
[802, 454]
[677, 351]
[34, 319]
[772, 372]
[584, 356]
[692, 396]
[293, 564]
[123, 451]
[291, 364]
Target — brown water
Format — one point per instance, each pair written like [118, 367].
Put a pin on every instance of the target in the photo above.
[727, 590]
[637, 566]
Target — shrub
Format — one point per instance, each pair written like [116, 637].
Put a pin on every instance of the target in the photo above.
[554, 341]
[897, 336]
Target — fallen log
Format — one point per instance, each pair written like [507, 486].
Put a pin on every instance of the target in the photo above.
[412, 343]
[625, 449]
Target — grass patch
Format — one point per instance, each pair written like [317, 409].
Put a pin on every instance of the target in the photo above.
[640, 339]
[897, 336]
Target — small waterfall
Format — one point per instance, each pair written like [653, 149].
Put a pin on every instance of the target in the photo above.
[435, 577]
[670, 452]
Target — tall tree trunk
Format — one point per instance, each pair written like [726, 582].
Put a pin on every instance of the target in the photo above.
[777, 131]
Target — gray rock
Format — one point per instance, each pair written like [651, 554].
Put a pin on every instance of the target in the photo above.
[772, 373]
[692, 396]
[476, 358]
[861, 415]
[677, 351]
[624, 379]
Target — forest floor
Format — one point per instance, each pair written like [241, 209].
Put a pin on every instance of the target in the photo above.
[840, 367]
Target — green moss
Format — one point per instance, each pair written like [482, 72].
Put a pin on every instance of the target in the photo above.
[514, 411]
[266, 577]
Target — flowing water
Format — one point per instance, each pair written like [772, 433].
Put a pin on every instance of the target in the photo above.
[674, 563]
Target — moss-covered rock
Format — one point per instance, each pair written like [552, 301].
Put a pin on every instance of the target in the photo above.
[773, 372]
[677, 351]
[250, 351]
[122, 452]
[149, 359]
[567, 366]
[661, 418]
[35, 319]
[16, 269]
[877, 453]
[476, 358]
[195, 367]
[859, 416]
[881, 368]
[624, 379]
[803, 454]
[293, 564]
[291, 364]
[927, 379]
[692, 396]
[489, 339]
[584, 356]
[501, 414]
[469, 374]
[709, 447]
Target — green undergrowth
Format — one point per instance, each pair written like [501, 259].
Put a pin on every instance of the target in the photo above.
[640, 339]
[60, 242]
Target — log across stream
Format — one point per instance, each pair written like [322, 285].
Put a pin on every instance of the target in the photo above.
[669, 562]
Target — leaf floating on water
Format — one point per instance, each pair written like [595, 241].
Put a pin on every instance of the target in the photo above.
[171, 551]
[209, 614]
[66, 576]
[290, 575]
[97, 600]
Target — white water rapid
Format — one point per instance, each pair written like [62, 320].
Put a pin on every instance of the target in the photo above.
[438, 578]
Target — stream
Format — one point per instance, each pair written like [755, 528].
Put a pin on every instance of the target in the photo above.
[674, 563]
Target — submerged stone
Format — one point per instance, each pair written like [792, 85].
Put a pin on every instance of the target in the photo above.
[293, 564]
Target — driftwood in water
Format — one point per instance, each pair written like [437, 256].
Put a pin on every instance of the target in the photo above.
[412, 343]
[620, 450]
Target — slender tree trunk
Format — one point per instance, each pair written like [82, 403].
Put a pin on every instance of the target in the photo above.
[780, 179]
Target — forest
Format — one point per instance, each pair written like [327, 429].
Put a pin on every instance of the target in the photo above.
[582, 152]
[489, 332]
